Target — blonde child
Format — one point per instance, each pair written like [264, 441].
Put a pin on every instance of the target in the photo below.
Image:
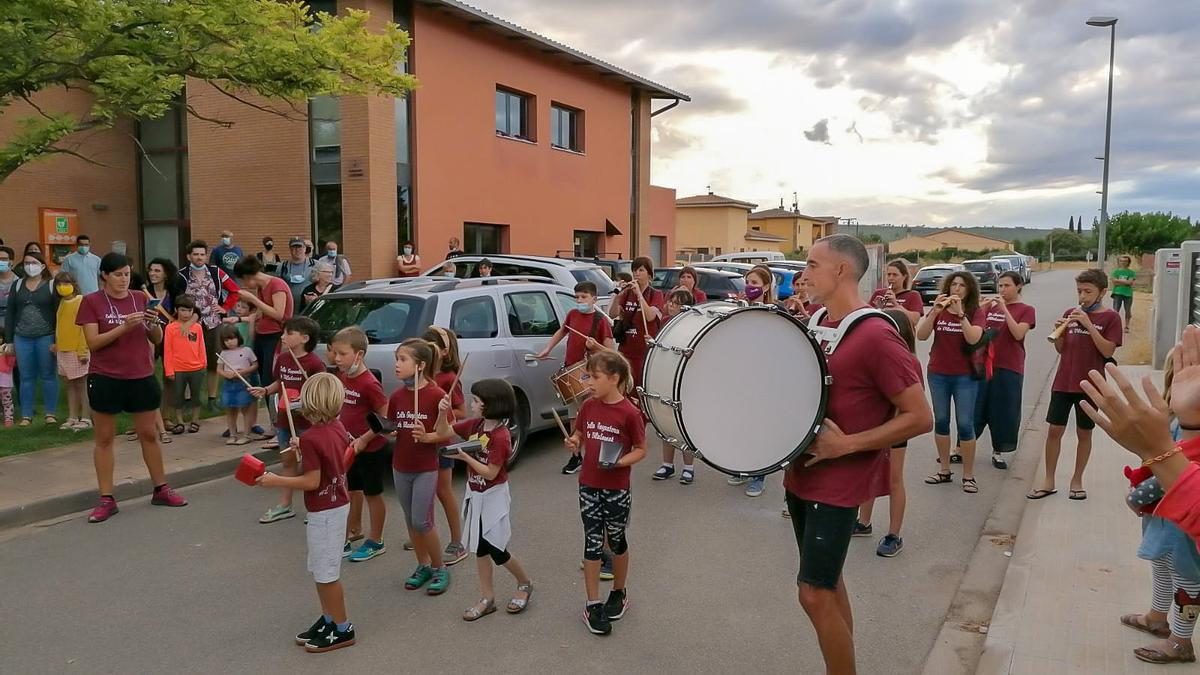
[236, 363]
[72, 353]
[609, 427]
[446, 343]
[487, 500]
[322, 448]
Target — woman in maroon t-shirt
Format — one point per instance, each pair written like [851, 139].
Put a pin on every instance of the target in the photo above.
[688, 278]
[639, 307]
[120, 329]
[998, 405]
[273, 303]
[956, 323]
[897, 294]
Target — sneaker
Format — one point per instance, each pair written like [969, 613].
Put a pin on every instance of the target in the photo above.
[419, 577]
[167, 497]
[331, 640]
[105, 509]
[573, 464]
[663, 472]
[615, 606]
[367, 550]
[317, 630]
[998, 461]
[861, 530]
[737, 480]
[347, 549]
[596, 620]
[408, 546]
[226, 434]
[889, 546]
[440, 582]
[687, 476]
[756, 486]
[606, 569]
[454, 553]
[277, 513]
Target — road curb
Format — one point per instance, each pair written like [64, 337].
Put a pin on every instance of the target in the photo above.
[960, 641]
[73, 502]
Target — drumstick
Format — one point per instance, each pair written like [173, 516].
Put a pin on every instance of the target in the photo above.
[462, 368]
[417, 397]
[561, 427]
[297, 360]
[235, 372]
[287, 410]
[579, 333]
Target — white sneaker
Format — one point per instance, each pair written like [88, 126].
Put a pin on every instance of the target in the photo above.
[737, 480]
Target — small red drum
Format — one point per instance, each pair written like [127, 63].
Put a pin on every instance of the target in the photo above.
[293, 396]
[571, 383]
[250, 469]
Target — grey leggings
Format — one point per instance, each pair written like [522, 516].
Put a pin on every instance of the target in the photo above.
[194, 381]
[417, 493]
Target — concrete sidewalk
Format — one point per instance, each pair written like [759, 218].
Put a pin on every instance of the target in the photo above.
[1073, 574]
[55, 482]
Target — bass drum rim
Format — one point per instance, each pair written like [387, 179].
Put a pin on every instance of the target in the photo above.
[809, 437]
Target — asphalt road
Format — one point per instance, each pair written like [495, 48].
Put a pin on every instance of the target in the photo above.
[207, 589]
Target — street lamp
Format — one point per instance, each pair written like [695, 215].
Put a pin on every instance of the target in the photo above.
[1109, 22]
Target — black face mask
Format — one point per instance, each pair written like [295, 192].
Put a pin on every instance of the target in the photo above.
[269, 245]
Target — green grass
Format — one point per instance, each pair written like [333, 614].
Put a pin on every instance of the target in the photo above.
[38, 436]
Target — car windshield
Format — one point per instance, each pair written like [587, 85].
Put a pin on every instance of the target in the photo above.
[384, 320]
[604, 285]
[978, 266]
[928, 273]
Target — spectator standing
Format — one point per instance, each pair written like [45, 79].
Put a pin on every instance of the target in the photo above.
[226, 254]
[215, 293]
[1122, 292]
[321, 286]
[30, 247]
[455, 247]
[297, 270]
[8, 278]
[83, 266]
[408, 263]
[267, 256]
[163, 284]
[72, 352]
[271, 300]
[338, 263]
[29, 325]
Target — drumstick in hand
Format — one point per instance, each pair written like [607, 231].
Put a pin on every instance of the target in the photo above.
[295, 358]
[561, 427]
[235, 372]
[579, 333]
[462, 368]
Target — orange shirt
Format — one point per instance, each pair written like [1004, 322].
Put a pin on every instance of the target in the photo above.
[183, 349]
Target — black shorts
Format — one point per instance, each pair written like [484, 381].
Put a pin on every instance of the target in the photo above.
[211, 346]
[823, 538]
[368, 470]
[112, 396]
[605, 515]
[1059, 411]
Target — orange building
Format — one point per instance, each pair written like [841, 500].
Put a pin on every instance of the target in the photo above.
[513, 143]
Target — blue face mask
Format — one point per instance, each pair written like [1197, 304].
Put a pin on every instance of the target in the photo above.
[84, 250]
[196, 267]
[409, 381]
[584, 307]
[5, 266]
[331, 254]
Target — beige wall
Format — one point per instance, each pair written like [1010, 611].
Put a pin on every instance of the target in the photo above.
[756, 245]
[951, 239]
[711, 227]
[781, 227]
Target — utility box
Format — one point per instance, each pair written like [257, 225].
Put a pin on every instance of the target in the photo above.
[1164, 310]
[1187, 301]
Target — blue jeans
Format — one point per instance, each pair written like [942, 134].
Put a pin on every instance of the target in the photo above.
[960, 389]
[35, 362]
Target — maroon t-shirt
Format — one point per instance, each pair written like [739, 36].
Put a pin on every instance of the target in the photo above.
[444, 380]
[948, 355]
[363, 395]
[1079, 353]
[497, 445]
[871, 365]
[634, 346]
[582, 322]
[266, 325]
[409, 456]
[1007, 351]
[291, 371]
[601, 422]
[129, 357]
[323, 447]
[909, 300]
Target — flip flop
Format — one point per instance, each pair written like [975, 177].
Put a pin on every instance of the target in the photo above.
[1077, 495]
[1040, 494]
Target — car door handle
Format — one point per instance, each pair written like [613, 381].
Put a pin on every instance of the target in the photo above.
[531, 360]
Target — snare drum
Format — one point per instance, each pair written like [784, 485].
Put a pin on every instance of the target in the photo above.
[744, 388]
[570, 383]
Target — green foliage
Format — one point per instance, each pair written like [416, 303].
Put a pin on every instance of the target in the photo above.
[1017, 246]
[1068, 244]
[869, 238]
[1139, 233]
[1035, 248]
[134, 57]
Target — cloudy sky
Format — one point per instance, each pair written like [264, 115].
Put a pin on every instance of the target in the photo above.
[937, 112]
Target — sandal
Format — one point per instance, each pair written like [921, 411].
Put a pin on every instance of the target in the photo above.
[1077, 495]
[480, 610]
[193, 428]
[177, 429]
[131, 435]
[25, 421]
[1040, 494]
[51, 419]
[164, 438]
[939, 478]
[518, 605]
[1173, 653]
[1138, 622]
[969, 486]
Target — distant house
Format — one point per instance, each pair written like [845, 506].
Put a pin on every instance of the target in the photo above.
[949, 238]
[711, 224]
[798, 229]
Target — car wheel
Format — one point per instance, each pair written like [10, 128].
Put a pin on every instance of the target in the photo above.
[518, 429]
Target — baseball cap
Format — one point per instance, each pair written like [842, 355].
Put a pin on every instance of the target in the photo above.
[295, 241]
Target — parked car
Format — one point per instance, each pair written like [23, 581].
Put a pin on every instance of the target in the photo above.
[928, 281]
[987, 272]
[1005, 266]
[749, 257]
[501, 322]
[783, 277]
[562, 271]
[611, 266]
[797, 265]
[717, 285]
[1019, 263]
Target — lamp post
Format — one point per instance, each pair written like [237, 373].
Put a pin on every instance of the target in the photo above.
[1109, 22]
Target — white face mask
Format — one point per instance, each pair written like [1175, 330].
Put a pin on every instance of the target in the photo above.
[407, 250]
[34, 269]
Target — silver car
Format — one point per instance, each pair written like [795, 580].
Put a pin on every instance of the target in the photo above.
[563, 271]
[501, 322]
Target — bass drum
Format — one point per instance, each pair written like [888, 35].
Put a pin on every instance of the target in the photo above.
[744, 388]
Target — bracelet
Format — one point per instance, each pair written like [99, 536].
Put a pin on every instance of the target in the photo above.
[1173, 451]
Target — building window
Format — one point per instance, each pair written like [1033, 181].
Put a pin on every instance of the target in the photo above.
[163, 185]
[658, 250]
[325, 126]
[587, 244]
[512, 114]
[327, 212]
[404, 230]
[530, 315]
[566, 128]
[482, 238]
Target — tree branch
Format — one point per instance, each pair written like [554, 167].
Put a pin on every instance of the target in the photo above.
[256, 106]
[191, 110]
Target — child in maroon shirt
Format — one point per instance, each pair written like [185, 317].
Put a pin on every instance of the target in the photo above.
[611, 433]
[446, 378]
[1092, 335]
[322, 448]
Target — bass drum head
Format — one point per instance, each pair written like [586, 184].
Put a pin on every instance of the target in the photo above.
[753, 391]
